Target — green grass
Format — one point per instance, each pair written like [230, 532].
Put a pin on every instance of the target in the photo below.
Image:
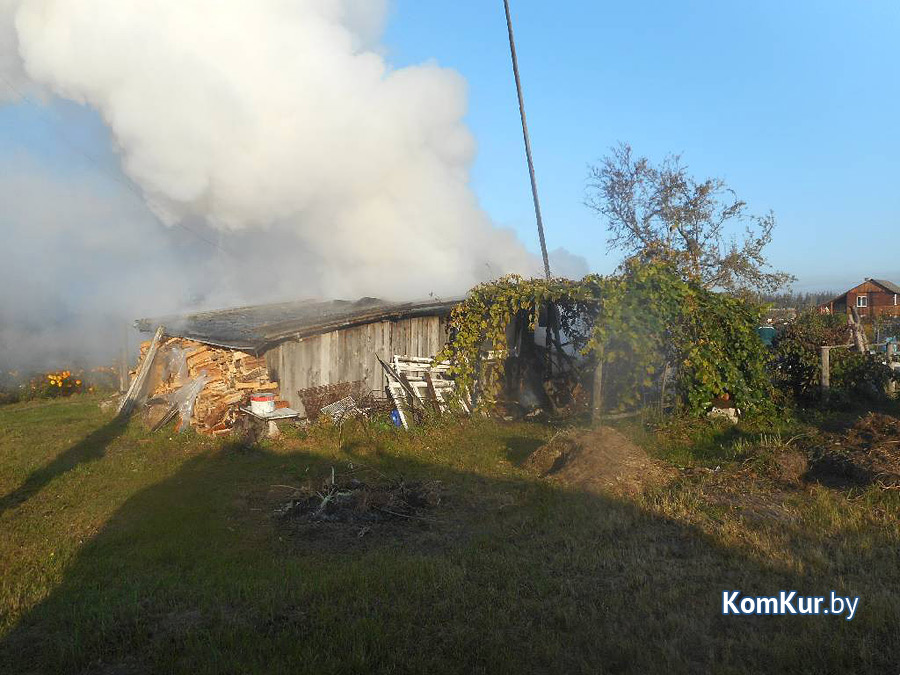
[123, 552]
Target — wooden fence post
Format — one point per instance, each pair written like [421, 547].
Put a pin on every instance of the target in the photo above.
[826, 369]
[597, 393]
[662, 388]
[889, 348]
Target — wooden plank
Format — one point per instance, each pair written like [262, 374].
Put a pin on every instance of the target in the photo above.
[396, 377]
[251, 375]
[266, 387]
[432, 394]
[134, 390]
[123, 365]
[198, 352]
[826, 368]
[430, 384]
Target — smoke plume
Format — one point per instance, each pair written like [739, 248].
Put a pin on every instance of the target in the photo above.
[278, 132]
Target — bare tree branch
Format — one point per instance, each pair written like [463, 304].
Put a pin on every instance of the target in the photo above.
[661, 212]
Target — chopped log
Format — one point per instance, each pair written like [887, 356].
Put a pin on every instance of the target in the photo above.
[232, 377]
[254, 374]
[216, 416]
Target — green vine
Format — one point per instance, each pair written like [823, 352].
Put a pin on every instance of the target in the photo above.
[640, 321]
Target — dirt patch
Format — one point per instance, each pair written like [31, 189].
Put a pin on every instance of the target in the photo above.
[600, 459]
[868, 453]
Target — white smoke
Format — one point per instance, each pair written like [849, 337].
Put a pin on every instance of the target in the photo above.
[79, 260]
[278, 117]
[14, 83]
[564, 263]
[275, 129]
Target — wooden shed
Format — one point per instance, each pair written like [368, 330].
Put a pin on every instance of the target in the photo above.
[316, 343]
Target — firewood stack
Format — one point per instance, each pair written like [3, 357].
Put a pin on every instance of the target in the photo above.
[232, 377]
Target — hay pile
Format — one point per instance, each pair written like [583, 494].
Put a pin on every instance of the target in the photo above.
[600, 459]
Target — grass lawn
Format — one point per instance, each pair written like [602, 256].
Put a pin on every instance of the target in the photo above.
[123, 552]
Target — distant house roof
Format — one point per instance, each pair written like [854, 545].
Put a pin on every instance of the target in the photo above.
[253, 329]
[890, 285]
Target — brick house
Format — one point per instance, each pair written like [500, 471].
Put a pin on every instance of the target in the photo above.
[873, 297]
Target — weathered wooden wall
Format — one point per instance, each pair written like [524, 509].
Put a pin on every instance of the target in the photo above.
[348, 355]
[879, 301]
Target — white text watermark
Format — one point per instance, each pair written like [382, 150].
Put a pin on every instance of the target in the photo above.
[788, 602]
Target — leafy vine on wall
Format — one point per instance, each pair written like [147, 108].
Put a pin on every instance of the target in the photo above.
[637, 322]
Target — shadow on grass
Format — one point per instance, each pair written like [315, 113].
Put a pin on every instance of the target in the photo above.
[518, 448]
[89, 449]
[196, 575]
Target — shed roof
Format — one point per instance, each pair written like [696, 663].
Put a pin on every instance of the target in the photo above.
[253, 329]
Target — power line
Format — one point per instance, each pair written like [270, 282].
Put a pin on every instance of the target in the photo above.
[116, 176]
[534, 189]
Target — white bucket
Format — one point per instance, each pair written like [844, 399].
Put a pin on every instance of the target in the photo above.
[262, 403]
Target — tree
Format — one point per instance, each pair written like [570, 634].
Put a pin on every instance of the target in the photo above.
[661, 213]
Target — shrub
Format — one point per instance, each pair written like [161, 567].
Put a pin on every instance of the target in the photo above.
[17, 387]
[797, 359]
[637, 322]
[859, 374]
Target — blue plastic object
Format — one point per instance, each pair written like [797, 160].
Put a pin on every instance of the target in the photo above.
[766, 334]
[395, 418]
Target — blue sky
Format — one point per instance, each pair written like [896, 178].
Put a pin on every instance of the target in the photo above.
[795, 105]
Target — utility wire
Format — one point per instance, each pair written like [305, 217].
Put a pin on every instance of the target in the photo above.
[114, 175]
[534, 189]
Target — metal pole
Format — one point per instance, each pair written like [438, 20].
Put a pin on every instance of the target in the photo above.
[534, 190]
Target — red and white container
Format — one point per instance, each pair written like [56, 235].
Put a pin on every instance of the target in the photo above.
[262, 403]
